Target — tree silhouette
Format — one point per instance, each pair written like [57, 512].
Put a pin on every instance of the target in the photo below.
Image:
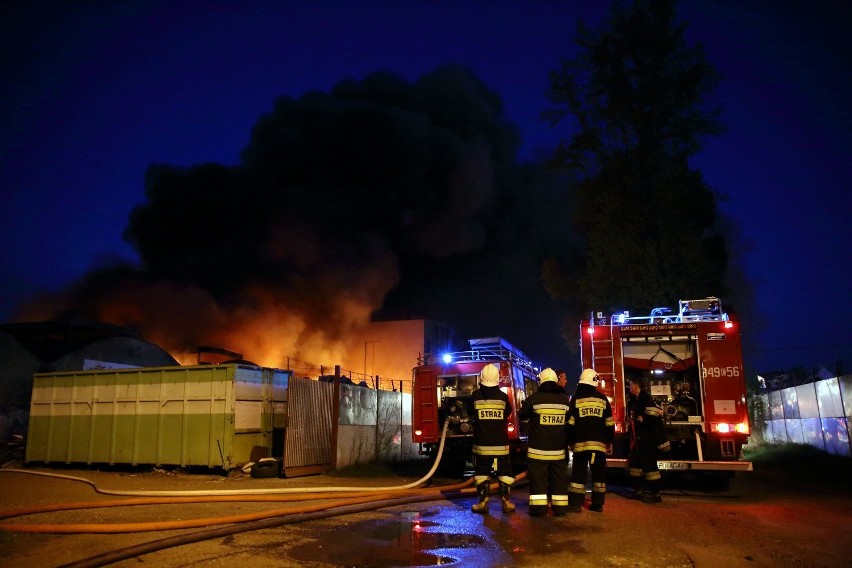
[636, 98]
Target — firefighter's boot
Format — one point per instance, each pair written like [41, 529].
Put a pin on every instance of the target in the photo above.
[638, 489]
[576, 497]
[598, 497]
[484, 490]
[505, 490]
[653, 495]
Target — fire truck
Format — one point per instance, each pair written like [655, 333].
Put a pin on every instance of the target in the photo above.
[442, 388]
[691, 361]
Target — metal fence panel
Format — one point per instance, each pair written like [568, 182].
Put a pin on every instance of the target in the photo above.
[794, 431]
[828, 398]
[836, 435]
[307, 441]
[776, 406]
[791, 403]
[812, 431]
[846, 394]
[776, 431]
[808, 406]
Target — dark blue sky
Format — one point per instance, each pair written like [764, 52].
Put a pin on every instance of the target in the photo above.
[92, 95]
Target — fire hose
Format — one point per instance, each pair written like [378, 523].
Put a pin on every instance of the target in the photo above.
[359, 499]
[226, 492]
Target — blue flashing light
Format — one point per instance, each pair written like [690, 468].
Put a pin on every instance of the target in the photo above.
[447, 358]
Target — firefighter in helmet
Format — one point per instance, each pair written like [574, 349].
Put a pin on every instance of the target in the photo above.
[491, 410]
[590, 432]
[546, 412]
[647, 440]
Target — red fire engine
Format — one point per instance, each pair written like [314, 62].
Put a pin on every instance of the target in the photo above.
[692, 365]
[441, 391]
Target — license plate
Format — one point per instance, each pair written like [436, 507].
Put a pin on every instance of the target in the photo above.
[672, 465]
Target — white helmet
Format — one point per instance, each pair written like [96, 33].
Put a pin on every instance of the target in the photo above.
[589, 377]
[489, 376]
[548, 374]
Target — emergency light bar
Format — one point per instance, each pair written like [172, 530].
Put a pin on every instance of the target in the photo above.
[707, 306]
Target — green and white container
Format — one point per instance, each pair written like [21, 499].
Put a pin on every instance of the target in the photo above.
[219, 416]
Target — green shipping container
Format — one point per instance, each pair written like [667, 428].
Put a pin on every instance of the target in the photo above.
[219, 416]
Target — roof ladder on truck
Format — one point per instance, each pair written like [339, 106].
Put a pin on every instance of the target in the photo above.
[603, 350]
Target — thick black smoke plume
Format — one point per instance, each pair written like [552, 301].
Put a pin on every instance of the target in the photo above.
[379, 199]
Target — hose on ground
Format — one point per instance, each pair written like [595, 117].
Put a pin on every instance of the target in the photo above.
[358, 495]
[270, 491]
[359, 499]
[179, 540]
[115, 528]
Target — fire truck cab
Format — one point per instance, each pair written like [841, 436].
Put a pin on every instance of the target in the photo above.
[691, 362]
[442, 389]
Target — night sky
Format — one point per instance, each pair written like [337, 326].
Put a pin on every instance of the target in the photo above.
[96, 92]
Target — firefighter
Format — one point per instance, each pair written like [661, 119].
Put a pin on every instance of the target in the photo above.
[546, 412]
[491, 439]
[647, 440]
[562, 381]
[590, 432]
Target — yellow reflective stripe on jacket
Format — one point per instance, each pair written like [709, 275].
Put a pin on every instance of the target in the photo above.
[653, 411]
[490, 403]
[590, 446]
[550, 408]
[545, 454]
[491, 450]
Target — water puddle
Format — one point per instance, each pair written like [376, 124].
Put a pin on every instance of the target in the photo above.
[405, 541]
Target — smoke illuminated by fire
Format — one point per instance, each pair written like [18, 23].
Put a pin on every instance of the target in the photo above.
[380, 195]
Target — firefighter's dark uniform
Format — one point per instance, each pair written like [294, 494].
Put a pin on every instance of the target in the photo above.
[491, 410]
[647, 440]
[590, 432]
[546, 412]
